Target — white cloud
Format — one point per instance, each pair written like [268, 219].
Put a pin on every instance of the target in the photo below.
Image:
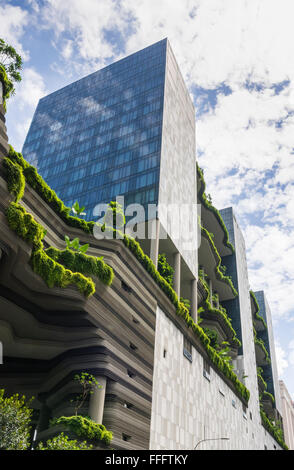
[23, 104]
[282, 362]
[13, 21]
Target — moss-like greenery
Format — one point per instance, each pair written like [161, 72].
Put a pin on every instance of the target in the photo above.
[207, 307]
[267, 395]
[7, 85]
[275, 431]
[210, 207]
[85, 427]
[47, 194]
[15, 178]
[53, 273]
[85, 264]
[164, 268]
[260, 342]
[260, 377]
[218, 270]
[257, 308]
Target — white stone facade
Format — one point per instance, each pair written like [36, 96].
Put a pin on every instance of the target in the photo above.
[186, 407]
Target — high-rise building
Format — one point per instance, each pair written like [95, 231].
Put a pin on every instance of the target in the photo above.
[170, 379]
[270, 370]
[288, 414]
[126, 130]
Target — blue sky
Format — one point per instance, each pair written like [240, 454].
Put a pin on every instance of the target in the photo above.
[236, 58]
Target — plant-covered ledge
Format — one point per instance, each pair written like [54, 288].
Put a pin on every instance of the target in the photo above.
[208, 205]
[55, 273]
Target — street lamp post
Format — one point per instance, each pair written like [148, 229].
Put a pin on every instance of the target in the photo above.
[215, 439]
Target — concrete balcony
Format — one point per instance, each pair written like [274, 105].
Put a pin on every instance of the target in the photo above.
[208, 258]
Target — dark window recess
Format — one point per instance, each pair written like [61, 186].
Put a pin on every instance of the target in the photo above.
[135, 320]
[133, 347]
[126, 287]
[206, 369]
[265, 448]
[125, 437]
[250, 414]
[187, 350]
[164, 353]
[128, 405]
[131, 374]
[244, 411]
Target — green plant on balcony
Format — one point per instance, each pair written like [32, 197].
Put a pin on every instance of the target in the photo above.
[77, 210]
[206, 307]
[165, 269]
[75, 245]
[273, 428]
[208, 204]
[10, 66]
[186, 303]
[88, 384]
[62, 442]
[257, 310]
[219, 272]
[48, 269]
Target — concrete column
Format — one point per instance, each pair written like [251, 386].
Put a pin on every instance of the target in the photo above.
[193, 311]
[97, 399]
[154, 242]
[210, 291]
[177, 274]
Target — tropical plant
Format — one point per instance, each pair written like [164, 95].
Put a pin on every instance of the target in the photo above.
[165, 269]
[88, 383]
[114, 216]
[75, 245]
[77, 210]
[15, 418]
[11, 61]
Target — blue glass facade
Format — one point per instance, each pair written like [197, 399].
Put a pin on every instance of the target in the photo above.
[100, 137]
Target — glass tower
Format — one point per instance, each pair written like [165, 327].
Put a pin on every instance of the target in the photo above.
[101, 136]
[125, 130]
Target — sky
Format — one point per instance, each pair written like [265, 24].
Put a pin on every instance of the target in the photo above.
[236, 57]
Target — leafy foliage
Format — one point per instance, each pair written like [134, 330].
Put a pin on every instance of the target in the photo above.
[15, 178]
[10, 65]
[62, 442]
[15, 418]
[165, 269]
[77, 210]
[114, 216]
[11, 61]
[88, 383]
[53, 273]
[206, 201]
[85, 427]
[85, 264]
[75, 244]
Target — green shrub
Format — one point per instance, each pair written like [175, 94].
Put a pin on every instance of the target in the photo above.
[165, 269]
[85, 264]
[274, 430]
[207, 203]
[8, 87]
[15, 418]
[62, 442]
[85, 427]
[15, 178]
